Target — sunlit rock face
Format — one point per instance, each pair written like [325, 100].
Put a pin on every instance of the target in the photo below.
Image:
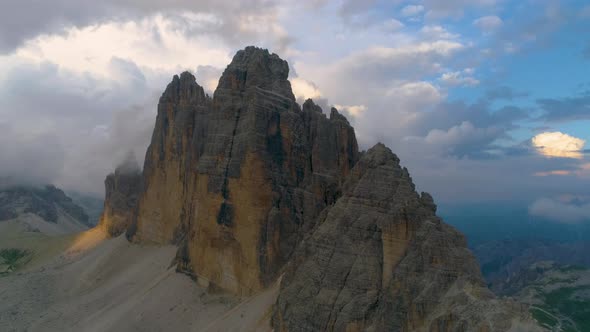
[167, 166]
[121, 191]
[236, 180]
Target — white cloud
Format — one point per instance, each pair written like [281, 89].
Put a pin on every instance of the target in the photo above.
[488, 23]
[208, 77]
[154, 42]
[415, 95]
[392, 25]
[557, 144]
[437, 32]
[352, 110]
[462, 139]
[412, 10]
[458, 78]
[231, 21]
[561, 211]
[303, 89]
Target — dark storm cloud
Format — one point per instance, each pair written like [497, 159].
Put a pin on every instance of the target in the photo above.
[565, 109]
[25, 19]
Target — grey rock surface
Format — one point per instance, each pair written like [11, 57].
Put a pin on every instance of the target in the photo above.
[45, 202]
[248, 169]
[122, 189]
[381, 260]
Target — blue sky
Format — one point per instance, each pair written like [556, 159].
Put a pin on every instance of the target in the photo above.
[483, 100]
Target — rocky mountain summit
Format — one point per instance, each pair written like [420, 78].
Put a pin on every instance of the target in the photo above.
[252, 186]
[236, 180]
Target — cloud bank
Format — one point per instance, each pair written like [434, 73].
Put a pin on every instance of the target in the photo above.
[80, 84]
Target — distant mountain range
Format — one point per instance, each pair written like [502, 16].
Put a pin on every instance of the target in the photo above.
[46, 209]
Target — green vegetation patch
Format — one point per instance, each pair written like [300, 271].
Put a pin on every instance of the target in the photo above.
[12, 258]
[578, 310]
[544, 318]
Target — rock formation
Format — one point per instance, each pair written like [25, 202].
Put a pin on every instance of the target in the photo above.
[122, 188]
[381, 260]
[237, 179]
[47, 202]
[250, 186]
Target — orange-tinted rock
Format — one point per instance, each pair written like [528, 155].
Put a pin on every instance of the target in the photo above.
[237, 180]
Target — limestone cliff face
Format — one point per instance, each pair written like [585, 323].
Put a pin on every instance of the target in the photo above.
[122, 188]
[167, 162]
[237, 179]
[381, 260]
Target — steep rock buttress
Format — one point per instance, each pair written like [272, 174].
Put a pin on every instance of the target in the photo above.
[381, 260]
[237, 179]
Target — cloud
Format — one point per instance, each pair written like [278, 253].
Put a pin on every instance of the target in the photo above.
[232, 21]
[91, 73]
[557, 144]
[488, 24]
[353, 111]
[392, 25]
[457, 78]
[580, 170]
[378, 64]
[561, 211]
[436, 32]
[29, 158]
[565, 109]
[454, 8]
[208, 77]
[555, 172]
[94, 49]
[75, 127]
[504, 93]
[412, 10]
[350, 8]
[460, 140]
[303, 89]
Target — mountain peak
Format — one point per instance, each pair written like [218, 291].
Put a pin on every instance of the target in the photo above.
[255, 67]
[183, 88]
